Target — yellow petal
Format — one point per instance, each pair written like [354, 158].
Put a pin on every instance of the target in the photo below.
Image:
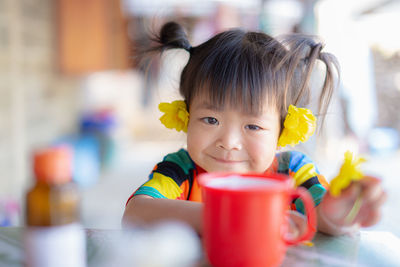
[175, 115]
[166, 107]
[299, 126]
[349, 171]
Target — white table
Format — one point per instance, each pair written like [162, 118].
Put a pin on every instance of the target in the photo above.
[366, 248]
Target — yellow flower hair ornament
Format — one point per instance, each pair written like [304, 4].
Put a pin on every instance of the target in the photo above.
[350, 171]
[175, 115]
[299, 125]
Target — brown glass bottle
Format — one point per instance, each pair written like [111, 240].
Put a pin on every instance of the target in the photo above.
[53, 235]
[52, 204]
[54, 199]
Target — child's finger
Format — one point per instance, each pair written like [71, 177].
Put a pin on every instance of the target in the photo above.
[373, 217]
[362, 197]
[372, 194]
[370, 213]
[351, 192]
[378, 201]
[300, 221]
[370, 181]
[297, 224]
[370, 188]
[293, 231]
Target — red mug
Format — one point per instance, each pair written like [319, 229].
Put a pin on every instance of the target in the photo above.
[245, 218]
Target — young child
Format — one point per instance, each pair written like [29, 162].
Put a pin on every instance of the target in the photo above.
[244, 94]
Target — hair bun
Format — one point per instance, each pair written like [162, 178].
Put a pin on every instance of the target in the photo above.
[172, 35]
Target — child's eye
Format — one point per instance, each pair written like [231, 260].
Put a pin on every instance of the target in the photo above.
[253, 127]
[210, 120]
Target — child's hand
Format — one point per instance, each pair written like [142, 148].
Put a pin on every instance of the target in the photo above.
[297, 225]
[342, 211]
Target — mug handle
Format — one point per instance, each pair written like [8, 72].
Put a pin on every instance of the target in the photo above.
[308, 202]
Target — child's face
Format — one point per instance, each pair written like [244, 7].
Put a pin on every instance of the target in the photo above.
[229, 140]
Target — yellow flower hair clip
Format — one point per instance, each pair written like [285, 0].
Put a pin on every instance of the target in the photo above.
[299, 125]
[175, 115]
[350, 171]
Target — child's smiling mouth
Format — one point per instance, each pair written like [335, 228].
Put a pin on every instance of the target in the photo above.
[226, 160]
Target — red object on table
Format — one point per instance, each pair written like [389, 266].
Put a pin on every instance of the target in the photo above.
[245, 224]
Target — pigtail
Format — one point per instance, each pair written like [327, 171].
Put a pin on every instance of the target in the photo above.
[328, 87]
[332, 66]
[148, 48]
[171, 36]
[309, 66]
[302, 53]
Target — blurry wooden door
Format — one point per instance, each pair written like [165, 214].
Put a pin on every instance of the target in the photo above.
[92, 36]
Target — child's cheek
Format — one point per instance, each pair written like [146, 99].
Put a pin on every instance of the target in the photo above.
[262, 154]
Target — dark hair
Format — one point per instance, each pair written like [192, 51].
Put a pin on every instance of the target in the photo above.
[243, 69]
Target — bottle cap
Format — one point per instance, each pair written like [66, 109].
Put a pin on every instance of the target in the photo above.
[53, 164]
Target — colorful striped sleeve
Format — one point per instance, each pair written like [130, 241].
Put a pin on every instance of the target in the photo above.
[170, 178]
[305, 174]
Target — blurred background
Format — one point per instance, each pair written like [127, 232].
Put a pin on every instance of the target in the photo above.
[69, 74]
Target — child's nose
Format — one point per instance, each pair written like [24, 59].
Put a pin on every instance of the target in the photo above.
[230, 139]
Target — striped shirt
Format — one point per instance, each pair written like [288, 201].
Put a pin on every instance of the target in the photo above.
[176, 177]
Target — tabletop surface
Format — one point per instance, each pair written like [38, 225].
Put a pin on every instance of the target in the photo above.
[365, 248]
